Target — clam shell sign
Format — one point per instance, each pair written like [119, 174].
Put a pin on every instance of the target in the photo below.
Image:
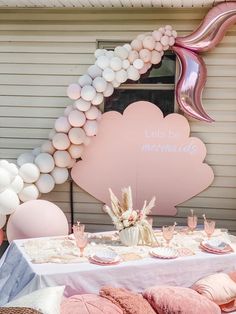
[152, 154]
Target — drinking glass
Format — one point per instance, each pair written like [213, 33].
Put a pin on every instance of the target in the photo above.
[192, 222]
[78, 229]
[81, 242]
[209, 227]
[168, 233]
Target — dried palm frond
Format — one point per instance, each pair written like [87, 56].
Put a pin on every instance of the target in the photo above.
[127, 202]
[151, 204]
[115, 204]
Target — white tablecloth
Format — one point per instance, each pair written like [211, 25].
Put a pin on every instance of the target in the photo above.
[18, 276]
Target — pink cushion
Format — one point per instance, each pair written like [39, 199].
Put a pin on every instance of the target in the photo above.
[88, 304]
[167, 299]
[129, 302]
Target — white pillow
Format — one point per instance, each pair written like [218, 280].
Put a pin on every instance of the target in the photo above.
[46, 300]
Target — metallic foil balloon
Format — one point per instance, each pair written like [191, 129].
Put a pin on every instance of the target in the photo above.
[211, 30]
[191, 83]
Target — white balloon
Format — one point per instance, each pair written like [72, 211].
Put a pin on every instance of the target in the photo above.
[121, 76]
[61, 141]
[45, 162]
[73, 91]
[25, 158]
[77, 118]
[8, 202]
[77, 135]
[108, 74]
[82, 104]
[62, 158]
[115, 84]
[99, 52]
[157, 35]
[98, 99]
[121, 52]
[12, 170]
[138, 64]
[4, 163]
[29, 172]
[85, 80]
[76, 151]
[17, 184]
[45, 183]
[88, 92]
[133, 73]
[3, 220]
[103, 62]
[62, 124]
[28, 193]
[92, 113]
[127, 47]
[125, 64]
[37, 150]
[109, 90]
[91, 127]
[47, 147]
[116, 64]
[94, 71]
[5, 179]
[100, 84]
[60, 175]
[110, 54]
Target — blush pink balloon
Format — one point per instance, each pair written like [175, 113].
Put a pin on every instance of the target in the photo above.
[212, 29]
[1, 236]
[34, 219]
[73, 91]
[191, 83]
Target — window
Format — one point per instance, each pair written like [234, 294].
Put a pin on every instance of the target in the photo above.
[156, 86]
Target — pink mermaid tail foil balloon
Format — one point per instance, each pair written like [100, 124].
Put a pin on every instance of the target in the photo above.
[211, 30]
[191, 83]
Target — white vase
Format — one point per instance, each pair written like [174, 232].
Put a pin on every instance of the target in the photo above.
[129, 236]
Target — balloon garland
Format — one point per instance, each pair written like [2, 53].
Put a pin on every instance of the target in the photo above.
[38, 171]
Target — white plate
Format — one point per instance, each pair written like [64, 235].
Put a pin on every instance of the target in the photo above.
[164, 252]
[216, 244]
[105, 256]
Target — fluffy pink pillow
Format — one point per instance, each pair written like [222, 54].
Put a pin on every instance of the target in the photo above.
[167, 299]
[89, 304]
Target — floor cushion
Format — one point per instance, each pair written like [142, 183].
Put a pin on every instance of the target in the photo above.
[88, 304]
[129, 302]
[175, 300]
[18, 310]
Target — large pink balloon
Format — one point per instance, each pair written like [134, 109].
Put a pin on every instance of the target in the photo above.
[37, 218]
[191, 83]
[1, 236]
[211, 30]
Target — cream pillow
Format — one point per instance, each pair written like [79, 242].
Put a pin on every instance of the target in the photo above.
[46, 300]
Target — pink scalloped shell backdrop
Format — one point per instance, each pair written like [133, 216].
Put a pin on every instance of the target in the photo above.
[152, 154]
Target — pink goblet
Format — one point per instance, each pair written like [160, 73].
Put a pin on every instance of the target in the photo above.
[168, 233]
[81, 241]
[192, 222]
[209, 227]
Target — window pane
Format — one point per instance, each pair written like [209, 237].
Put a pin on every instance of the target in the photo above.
[120, 99]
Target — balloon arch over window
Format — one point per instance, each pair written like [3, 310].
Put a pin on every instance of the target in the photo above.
[38, 171]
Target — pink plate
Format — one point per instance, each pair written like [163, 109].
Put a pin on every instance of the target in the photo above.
[215, 251]
[93, 261]
[164, 253]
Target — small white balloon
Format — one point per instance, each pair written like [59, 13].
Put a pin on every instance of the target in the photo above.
[5, 179]
[99, 52]
[157, 35]
[145, 55]
[12, 169]
[92, 113]
[47, 147]
[121, 76]
[88, 92]
[110, 54]
[165, 40]
[121, 52]
[133, 73]
[125, 64]
[37, 150]
[137, 44]
[17, 184]
[61, 141]
[133, 55]
[138, 64]
[91, 128]
[29, 172]
[77, 118]
[174, 33]
[28, 193]
[3, 220]
[62, 158]
[98, 99]
[77, 135]
[76, 151]
[82, 104]
[168, 32]
[62, 124]
[25, 158]
[85, 80]
[94, 71]
[109, 90]
[45, 162]
[45, 183]
[8, 202]
[103, 62]
[127, 47]
[116, 64]
[149, 43]
[115, 84]
[100, 84]
[168, 27]
[156, 57]
[171, 41]
[108, 74]
[73, 91]
[60, 175]
[158, 47]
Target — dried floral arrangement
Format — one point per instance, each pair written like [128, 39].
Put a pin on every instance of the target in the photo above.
[124, 216]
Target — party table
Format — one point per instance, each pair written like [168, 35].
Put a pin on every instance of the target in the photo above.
[20, 274]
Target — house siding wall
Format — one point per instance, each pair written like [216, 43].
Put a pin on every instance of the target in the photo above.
[44, 50]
